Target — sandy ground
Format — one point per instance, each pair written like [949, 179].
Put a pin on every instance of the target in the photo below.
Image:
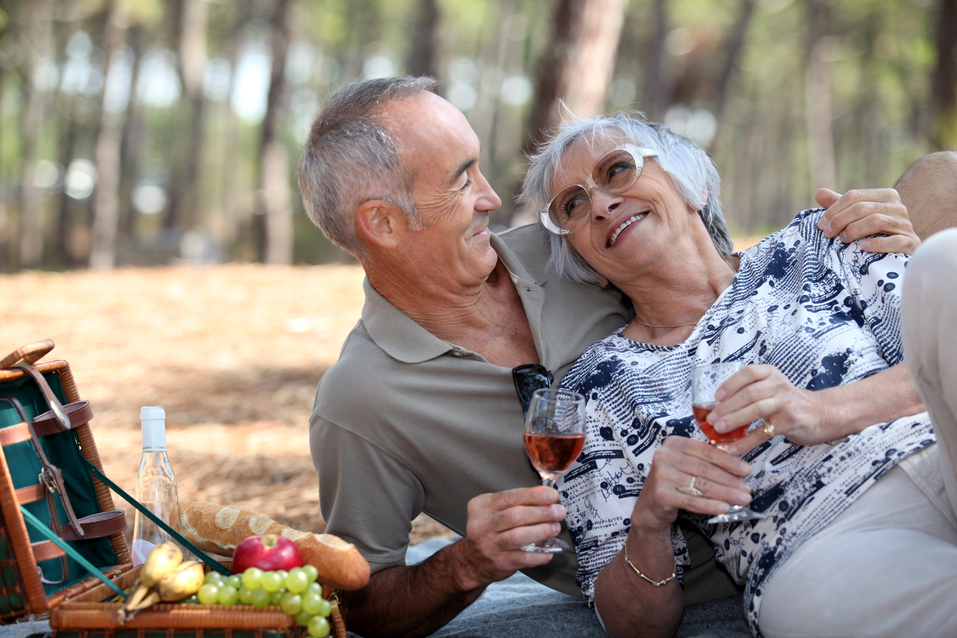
[233, 353]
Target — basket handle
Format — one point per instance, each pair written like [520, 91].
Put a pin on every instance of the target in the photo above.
[28, 354]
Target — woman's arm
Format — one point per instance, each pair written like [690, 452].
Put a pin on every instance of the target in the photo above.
[630, 605]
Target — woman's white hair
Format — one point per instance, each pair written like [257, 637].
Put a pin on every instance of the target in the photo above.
[692, 172]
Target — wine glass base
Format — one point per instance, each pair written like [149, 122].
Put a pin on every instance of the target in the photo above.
[551, 546]
[734, 515]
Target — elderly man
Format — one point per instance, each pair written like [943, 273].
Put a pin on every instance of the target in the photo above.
[420, 412]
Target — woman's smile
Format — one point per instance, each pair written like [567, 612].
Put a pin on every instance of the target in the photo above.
[622, 226]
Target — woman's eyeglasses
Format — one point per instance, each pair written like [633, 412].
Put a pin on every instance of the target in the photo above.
[528, 378]
[570, 209]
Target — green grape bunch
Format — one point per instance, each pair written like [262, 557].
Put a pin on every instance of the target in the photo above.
[296, 592]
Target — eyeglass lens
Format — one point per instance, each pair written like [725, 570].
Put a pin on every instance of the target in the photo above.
[613, 173]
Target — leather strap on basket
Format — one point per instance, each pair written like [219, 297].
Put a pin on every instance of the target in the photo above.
[97, 525]
[35, 523]
[46, 424]
[51, 399]
[50, 476]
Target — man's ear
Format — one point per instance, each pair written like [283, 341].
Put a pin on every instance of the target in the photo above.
[379, 223]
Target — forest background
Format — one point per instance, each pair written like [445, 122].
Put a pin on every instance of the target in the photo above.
[143, 132]
[148, 152]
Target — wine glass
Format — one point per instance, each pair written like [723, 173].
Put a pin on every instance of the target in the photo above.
[554, 437]
[705, 380]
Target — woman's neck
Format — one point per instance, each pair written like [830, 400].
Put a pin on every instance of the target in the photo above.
[672, 295]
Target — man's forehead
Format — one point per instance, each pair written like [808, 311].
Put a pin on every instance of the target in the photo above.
[431, 134]
[424, 117]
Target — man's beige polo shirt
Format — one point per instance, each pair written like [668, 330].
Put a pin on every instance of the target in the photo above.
[405, 422]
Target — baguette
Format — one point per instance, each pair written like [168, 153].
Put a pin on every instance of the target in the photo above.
[220, 528]
[339, 563]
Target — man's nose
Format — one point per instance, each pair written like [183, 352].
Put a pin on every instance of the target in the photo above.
[490, 200]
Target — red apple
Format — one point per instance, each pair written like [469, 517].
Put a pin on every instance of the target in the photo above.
[269, 553]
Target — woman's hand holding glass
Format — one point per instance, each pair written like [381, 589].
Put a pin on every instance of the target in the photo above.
[759, 392]
[706, 381]
[718, 476]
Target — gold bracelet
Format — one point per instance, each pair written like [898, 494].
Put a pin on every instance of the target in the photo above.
[656, 583]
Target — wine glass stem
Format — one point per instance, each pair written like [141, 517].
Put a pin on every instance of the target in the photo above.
[731, 507]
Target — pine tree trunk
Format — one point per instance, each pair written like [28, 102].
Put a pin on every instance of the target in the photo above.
[823, 169]
[577, 68]
[944, 81]
[424, 54]
[106, 202]
[36, 38]
[274, 165]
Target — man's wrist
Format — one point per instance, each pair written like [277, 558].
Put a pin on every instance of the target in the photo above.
[456, 565]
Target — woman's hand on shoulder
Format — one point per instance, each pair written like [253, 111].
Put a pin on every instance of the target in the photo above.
[864, 212]
[717, 475]
[763, 392]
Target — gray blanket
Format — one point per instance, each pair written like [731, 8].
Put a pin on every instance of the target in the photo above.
[520, 607]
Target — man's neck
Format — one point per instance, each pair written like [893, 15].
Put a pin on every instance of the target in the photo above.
[487, 317]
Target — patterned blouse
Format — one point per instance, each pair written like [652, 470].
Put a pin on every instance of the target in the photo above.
[824, 313]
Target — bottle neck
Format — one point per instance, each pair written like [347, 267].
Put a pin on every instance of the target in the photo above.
[154, 435]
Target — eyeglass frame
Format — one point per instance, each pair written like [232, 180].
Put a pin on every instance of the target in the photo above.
[637, 153]
[521, 373]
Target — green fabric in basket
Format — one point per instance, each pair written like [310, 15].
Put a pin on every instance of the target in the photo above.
[63, 451]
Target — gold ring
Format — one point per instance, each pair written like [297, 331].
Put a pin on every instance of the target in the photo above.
[690, 489]
[769, 429]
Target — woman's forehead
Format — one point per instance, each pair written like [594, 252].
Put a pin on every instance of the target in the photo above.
[581, 155]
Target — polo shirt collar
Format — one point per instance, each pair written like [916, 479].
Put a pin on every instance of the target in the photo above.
[399, 336]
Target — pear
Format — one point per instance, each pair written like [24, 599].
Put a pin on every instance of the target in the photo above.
[162, 560]
[184, 581]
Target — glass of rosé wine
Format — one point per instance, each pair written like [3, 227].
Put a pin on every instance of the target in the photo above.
[554, 437]
[705, 381]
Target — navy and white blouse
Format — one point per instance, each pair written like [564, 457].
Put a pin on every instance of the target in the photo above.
[823, 312]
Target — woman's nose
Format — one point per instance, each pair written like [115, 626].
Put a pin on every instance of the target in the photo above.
[602, 203]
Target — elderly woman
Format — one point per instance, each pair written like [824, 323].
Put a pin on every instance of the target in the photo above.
[858, 535]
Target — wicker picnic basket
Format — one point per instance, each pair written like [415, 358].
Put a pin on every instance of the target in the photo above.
[99, 620]
[63, 489]
[50, 472]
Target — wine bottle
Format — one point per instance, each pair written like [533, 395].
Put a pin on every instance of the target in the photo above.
[155, 486]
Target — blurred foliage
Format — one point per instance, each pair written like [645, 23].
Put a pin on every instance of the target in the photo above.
[878, 60]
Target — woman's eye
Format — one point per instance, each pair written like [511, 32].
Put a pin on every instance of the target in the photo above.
[574, 205]
[618, 172]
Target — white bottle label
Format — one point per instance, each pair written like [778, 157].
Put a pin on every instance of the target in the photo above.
[141, 549]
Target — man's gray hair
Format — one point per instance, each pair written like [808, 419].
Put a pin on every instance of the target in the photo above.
[350, 158]
[687, 165]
